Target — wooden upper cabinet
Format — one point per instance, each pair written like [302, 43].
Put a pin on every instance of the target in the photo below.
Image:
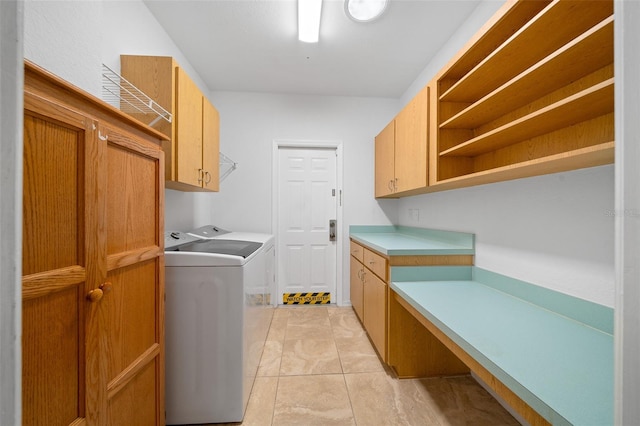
[411, 144]
[401, 150]
[385, 160]
[211, 145]
[93, 261]
[192, 153]
[188, 117]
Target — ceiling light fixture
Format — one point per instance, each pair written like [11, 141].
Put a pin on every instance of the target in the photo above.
[309, 12]
[365, 10]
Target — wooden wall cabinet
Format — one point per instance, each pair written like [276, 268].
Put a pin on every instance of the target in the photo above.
[530, 94]
[401, 149]
[92, 263]
[192, 152]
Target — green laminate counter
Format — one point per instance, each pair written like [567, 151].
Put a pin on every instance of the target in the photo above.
[558, 364]
[408, 241]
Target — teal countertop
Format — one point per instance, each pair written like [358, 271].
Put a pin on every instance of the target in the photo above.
[560, 366]
[406, 241]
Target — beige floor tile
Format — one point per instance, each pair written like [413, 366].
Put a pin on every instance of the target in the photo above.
[312, 400]
[278, 328]
[462, 401]
[309, 356]
[271, 358]
[381, 399]
[262, 402]
[312, 323]
[346, 325]
[357, 355]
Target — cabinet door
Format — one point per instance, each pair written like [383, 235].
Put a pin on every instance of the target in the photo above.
[134, 305]
[411, 143]
[375, 311]
[356, 287]
[384, 161]
[188, 148]
[62, 260]
[210, 145]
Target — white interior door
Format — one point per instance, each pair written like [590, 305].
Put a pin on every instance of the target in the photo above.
[307, 202]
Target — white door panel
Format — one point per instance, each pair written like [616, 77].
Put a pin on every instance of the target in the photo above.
[306, 204]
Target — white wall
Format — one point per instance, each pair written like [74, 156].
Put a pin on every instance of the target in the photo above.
[556, 230]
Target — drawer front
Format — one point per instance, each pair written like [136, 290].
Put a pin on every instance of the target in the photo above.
[357, 251]
[376, 263]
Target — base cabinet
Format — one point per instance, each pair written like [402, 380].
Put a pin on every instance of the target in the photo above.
[369, 294]
[93, 261]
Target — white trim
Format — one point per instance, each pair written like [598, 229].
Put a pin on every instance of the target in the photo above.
[296, 143]
[11, 122]
[627, 222]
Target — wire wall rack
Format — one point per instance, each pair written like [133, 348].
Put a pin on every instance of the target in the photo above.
[227, 165]
[120, 93]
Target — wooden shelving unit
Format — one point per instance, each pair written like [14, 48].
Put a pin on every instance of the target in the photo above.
[535, 86]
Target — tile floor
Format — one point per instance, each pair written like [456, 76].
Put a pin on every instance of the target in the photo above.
[319, 368]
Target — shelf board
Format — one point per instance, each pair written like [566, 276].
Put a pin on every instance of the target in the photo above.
[590, 103]
[589, 52]
[592, 156]
[557, 24]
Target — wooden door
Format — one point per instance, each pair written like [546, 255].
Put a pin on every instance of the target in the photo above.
[356, 273]
[63, 260]
[210, 145]
[188, 143]
[384, 161]
[375, 310]
[134, 308]
[411, 143]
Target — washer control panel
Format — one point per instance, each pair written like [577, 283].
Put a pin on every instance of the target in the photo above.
[174, 239]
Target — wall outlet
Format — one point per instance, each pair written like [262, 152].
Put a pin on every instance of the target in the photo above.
[414, 215]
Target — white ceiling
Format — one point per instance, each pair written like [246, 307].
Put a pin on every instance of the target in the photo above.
[252, 45]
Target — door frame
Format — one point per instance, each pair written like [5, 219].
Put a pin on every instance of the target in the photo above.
[311, 144]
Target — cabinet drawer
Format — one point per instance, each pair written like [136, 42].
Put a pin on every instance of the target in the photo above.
[376, 263]
[357, 251]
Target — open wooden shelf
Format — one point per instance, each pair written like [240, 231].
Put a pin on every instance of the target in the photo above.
[590, 103]
[555, 26]
[597, 155]
[541, 101]
[592, 50]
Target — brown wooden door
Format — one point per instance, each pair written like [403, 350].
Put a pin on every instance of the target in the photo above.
[210, 145]
[134, 308]
[188, 141]
[384, 161]
[62, 262]
[411, 143]
[356, 287]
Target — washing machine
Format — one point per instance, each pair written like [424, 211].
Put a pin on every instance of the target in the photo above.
[219, 288]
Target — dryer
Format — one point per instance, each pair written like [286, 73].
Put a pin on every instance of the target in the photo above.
[218, 312]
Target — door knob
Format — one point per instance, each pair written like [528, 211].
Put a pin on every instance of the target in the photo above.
[106, 287]
[95, 295]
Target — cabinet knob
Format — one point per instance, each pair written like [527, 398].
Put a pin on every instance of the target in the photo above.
[106, 287]
[207, 177]
[95, 295]
[200, 175]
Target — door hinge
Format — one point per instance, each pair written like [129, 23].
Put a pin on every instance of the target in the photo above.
[333, 192]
